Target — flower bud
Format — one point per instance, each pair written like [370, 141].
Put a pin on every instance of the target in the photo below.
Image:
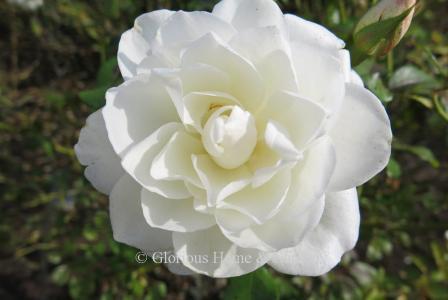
[383, 11]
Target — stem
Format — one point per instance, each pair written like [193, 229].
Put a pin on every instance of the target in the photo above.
[390, 63]
[439, 108]
[342, 11]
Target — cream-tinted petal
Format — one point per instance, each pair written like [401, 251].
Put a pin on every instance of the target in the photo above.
[173, 214]
[245, 84]
[138, 160]
[95, 151]
[215, 255]
[174, 160]
[362, 138]
[243, 14]
[322, 248]
[137, 108]
[128, 223]
[219, 182]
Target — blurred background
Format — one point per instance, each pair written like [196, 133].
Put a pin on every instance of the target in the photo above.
[57, 58]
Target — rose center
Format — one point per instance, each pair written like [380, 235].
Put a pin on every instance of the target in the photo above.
[230, 136]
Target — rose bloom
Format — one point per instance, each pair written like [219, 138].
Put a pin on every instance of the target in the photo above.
[237, 133]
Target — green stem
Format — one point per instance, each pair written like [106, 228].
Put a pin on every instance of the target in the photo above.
[390, 63]
[342, 11]
[439, 108]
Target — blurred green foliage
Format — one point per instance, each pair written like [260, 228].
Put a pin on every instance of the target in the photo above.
[55, 237]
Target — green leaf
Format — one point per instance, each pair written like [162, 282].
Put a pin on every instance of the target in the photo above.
[376, 85]
[107, 74]
[157, 291]
[393, 169]
[258, 285]
[94, 97]
[410, 75]
[369, 38]
[61, 275]
[420, 151]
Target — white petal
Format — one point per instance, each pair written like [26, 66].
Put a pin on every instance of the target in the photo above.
[257, 43]
[209, 252]
[203, 78]
[148, 24]
[320, 75]
[310, 177]
[135, 43]
[324, 246]
[300, 212]
[264, 164]
[350, 75]
[128, 224]
[362, 138]
[219, 182]
[138, 160]
[198, 104]
[278, 73]
[263, 202]
[240, 230]
[178, 268]
[356, 79]
[303, 31]
[268, 50]
[243, 14]
[184, 27]
[188, 26]
[200, 199]
[173, 214]
[151, 62]
[137, 108]
[174, 160]
[277, 138]
[302, 118]
[246, 85]
[95, 151]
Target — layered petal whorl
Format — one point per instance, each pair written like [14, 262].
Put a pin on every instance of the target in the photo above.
[237, 133]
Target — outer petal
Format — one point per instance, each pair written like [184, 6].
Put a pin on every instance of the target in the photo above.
[303, 31]
[242, 230]
[177, 267]
[310, 177]
[362, 137]
[350, 74]
[243, 14]
[324, 246]
[173, 215]
[128, 224]
[137, 108]
[209, 252]
[184, 27]
[95, 151]
[135, 44]
[320, 75]
[137, 162]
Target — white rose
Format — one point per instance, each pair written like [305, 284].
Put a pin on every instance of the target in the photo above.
[237, 133]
